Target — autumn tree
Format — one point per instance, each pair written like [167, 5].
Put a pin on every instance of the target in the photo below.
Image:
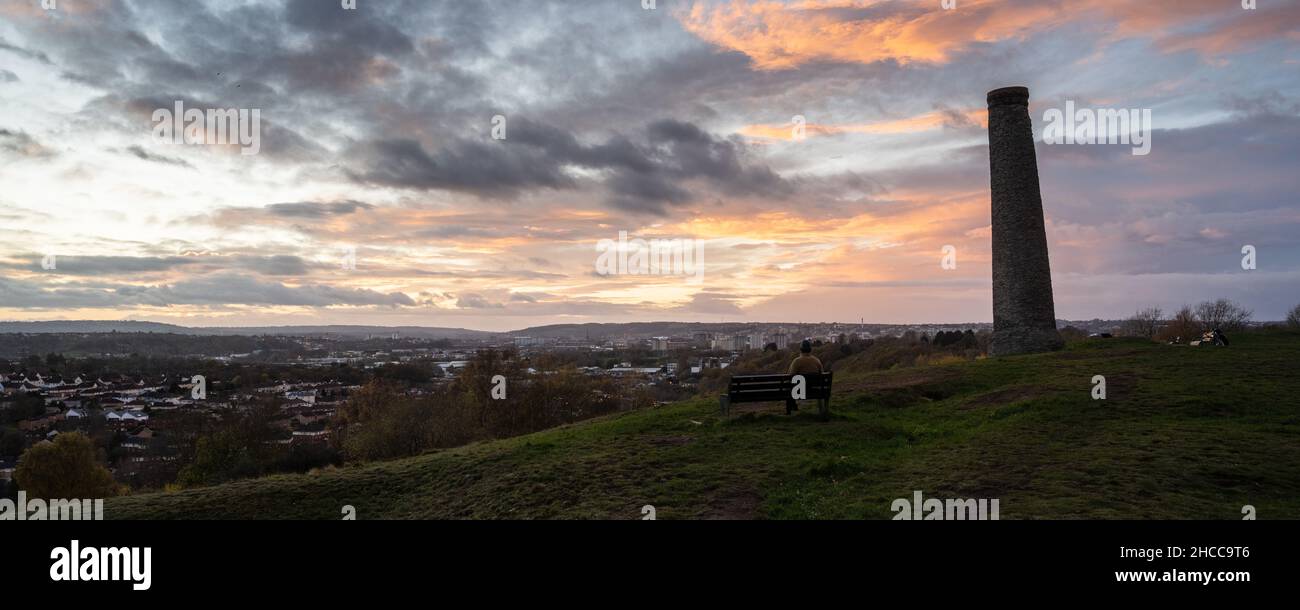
[66, 468]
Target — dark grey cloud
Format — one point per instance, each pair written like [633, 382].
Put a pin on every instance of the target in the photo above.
[315, 210]
[646, 175]
[139, 266]
[457, 230]
[238, 289]
[414, 73]
[277, 140]
[491, 170]
[216, 290]
[23, 145]
[279, 264]
[139, 152]
[25, 53]
[476, 301]
[488, 274]
[8, 77]
[367, 26]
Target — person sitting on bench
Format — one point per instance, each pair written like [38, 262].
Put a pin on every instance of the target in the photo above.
[805, 364]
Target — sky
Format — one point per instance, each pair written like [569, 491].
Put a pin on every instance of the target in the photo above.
[457, 163]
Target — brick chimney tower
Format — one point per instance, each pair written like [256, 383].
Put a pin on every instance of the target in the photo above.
[1024, 315]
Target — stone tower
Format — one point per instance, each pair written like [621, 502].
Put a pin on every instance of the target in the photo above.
[1024, 315]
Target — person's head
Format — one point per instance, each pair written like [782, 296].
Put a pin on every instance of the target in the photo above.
[806, 347]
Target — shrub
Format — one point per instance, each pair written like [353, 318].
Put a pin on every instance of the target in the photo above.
[1183, 326]
[1071, 334]
[246, 447]
[1145, 323]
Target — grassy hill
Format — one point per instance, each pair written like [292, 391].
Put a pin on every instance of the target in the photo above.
[1184, 433]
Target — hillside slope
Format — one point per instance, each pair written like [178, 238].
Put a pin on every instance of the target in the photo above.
[1184, 433]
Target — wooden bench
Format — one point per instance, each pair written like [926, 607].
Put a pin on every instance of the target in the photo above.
[777, 388]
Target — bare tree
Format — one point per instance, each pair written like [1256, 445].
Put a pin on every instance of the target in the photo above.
[1293, 318]
[1223, 314]
[1144, 323]
[1183, 326]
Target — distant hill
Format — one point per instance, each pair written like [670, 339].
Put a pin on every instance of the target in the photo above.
[1184, 433]
[636, 329]
[96, 326]
[92, 326]
[429, 332]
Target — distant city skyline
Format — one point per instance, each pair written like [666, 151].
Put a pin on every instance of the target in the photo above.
[459, 164]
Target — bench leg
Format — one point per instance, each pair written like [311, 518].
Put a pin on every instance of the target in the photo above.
[725, 402]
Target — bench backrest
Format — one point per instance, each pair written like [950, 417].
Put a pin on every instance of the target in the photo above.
[765, 388]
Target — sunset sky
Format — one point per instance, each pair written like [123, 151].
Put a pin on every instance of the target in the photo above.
[675, 122]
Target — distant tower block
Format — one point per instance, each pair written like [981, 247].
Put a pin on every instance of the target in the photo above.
[1024, 315]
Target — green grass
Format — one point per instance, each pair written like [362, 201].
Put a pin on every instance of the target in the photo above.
[1186, 433]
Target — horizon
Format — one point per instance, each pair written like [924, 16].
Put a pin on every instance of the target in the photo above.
[522, 329]
[450, 170]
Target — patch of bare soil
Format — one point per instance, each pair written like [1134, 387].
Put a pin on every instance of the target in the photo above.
[1089, 355]
[777, 407]
[902, 379]
[669, 441]
[1006, 396]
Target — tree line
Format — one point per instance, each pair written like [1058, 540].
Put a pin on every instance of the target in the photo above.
[1190, 322]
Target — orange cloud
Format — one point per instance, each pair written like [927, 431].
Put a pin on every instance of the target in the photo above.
[782, 252]
[919, 123]
[781, 35]
[1239, 33]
